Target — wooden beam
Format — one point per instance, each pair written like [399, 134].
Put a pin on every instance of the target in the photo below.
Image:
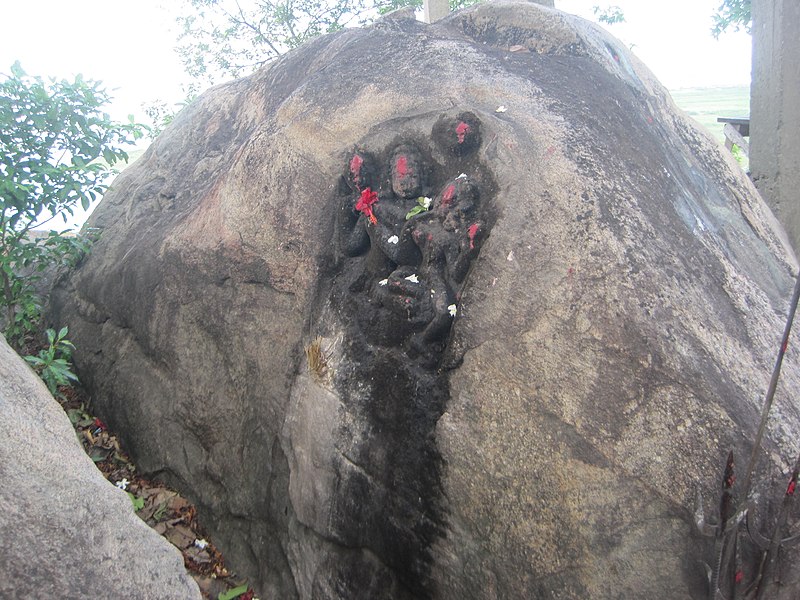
[732, 136]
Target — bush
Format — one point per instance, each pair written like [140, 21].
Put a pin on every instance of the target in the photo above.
[53, 362]
[57, 151]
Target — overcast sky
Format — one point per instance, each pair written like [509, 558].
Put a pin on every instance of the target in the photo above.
[129, 44]
[126, 44]
[673, 38]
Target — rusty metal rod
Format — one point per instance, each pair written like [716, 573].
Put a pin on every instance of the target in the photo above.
[773, 384]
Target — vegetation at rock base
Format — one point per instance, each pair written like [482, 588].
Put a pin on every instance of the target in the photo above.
[57, 149]
[52, 363]
[162, 508]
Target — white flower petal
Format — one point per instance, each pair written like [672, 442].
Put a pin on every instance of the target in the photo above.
[383, 282]
[501, 109]
[426, 202]
[413, 278]
[393, 240]
[462, 176]
[122, 484]
[202, 544]
[453, 310]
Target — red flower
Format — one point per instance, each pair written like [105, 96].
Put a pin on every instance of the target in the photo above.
[99, 424]
[791, 488]
[364, 204]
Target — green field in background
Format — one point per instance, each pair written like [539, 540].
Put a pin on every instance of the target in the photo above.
[704, 105]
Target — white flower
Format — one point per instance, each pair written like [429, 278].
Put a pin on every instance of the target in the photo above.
[413, 278]
[393, 240]
[501, 109]
[202, 544]
[122, 484]
[453, 310]
[462, 176]
[426, 202]
[383, 282]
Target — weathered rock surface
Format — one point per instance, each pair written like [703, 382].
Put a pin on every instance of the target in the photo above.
[67, 532]
[516, 393]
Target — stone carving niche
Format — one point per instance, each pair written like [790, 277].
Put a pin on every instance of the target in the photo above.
[413, 218]
[413, 214]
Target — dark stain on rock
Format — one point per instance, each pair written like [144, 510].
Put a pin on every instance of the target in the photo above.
[408, 229]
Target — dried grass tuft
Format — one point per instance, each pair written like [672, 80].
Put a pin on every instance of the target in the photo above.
[317, 362]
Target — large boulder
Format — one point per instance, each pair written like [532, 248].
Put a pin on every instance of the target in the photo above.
[517, 392]
[67, 532]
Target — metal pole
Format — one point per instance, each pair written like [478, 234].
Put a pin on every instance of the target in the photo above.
[773, 384]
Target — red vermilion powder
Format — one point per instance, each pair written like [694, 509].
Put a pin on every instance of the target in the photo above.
[473, 231]
[355, 168]
[401, 166]
[447, 197]
[462, 129]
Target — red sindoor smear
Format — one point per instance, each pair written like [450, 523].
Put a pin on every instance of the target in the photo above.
[447, 197]
[401, 166]
[462, 129]
[473, 231]
[355, 167]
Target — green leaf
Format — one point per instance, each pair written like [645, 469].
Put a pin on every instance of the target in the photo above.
[423, 204]
[414, 211]
[34, 361]
[75, 415]
[234, 593]
[160, 511]
[138, 502]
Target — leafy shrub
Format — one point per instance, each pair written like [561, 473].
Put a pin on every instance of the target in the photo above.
[53, 363]
[57, 150]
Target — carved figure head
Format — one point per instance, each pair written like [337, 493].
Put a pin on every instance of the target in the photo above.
[361, 171]
[407, 172]
[460, 195]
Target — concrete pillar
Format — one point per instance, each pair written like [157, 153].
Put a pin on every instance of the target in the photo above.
[435, 10]
[775, 110]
